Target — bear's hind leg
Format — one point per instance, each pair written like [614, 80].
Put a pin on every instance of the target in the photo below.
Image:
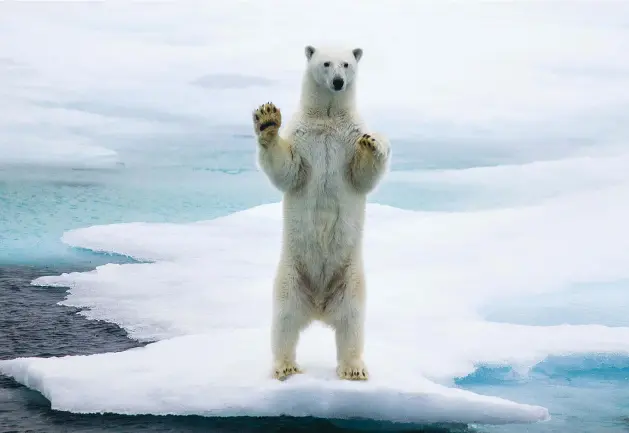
[349, 347]
[286, 329]
[349, 323]
[289, 318]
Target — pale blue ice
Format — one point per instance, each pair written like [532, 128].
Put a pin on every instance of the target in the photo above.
[112, 113]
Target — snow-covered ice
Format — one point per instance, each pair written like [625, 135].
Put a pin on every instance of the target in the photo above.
[84, 76]
[204, 290]
[225, 373]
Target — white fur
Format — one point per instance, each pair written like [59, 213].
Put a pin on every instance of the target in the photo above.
[311, 162]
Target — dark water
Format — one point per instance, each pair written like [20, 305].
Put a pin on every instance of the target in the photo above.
[31, 324]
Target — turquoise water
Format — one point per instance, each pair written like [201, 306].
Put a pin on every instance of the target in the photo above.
[172, 183]
[584, 394]
[38, 205]
[36, 211]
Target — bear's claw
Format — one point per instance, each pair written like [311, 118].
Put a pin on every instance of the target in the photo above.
[368, 142]
[349, 372]
[285, 370]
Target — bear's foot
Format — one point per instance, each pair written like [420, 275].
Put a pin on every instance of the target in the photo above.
[354, 370]
[285, 369]
[267, 120]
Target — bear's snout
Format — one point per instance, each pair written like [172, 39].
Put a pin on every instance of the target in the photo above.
[338, 83]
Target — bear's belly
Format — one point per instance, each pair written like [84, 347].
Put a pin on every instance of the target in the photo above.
[323, 229]
[323, 220]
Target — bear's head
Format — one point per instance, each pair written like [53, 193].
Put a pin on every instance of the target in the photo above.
[334, 70]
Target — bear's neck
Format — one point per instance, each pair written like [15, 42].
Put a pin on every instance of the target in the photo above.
[318, 101]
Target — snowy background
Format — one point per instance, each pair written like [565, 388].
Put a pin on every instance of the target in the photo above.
[503, 220]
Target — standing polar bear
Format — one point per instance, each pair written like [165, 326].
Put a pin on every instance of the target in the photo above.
[325, 162]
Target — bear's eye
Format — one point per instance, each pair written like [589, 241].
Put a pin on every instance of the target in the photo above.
[345, 65]
[326, 64]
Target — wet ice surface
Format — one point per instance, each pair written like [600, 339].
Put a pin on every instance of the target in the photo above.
[146, 119]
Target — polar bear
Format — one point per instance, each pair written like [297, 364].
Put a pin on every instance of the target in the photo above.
[325, 162]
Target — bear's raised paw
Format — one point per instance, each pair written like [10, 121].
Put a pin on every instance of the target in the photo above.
[284, 370]
[367, 142]
[267, 120]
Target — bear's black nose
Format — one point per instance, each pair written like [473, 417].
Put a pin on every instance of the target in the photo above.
[338, 83]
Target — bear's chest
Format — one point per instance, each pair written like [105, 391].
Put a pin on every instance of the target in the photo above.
[327, 152]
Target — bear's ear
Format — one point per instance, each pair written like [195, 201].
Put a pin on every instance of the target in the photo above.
[309, 51]
[358, 53]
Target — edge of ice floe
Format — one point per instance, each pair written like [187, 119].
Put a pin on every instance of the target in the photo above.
[110, 239]
[307, 398]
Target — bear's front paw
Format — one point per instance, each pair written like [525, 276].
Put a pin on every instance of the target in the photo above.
[368, 143]
[283, 370]
[355, 370]
[267, 120]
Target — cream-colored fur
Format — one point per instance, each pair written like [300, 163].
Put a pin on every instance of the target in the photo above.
[325, 161]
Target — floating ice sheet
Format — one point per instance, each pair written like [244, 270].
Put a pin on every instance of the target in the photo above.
[206, 293]
[225, 373]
